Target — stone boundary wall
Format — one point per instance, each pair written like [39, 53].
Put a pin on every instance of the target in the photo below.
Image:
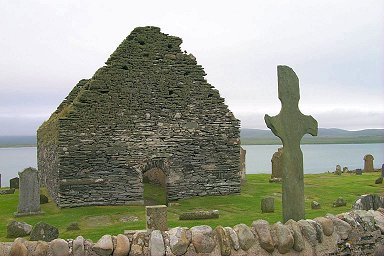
[357, 232]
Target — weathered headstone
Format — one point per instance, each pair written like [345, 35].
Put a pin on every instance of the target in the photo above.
[14, 183]
[345, 169]
[156, 217]
[267, 204]
[338, 170]
[368, 163]
[276, 163]
[243, 168]
[382, 170]
[29, 194]
[359, 172]
[290, 125]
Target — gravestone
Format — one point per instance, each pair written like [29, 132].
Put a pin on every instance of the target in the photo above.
[359, 172]
[243, 169]
[156, 217]
[29, 193]
[338, 170]
[268, 204]
[0, 180]
[368, 163]
[276, 163]
[382, 170]
[14, 183]
[345, 169]
[290, 125]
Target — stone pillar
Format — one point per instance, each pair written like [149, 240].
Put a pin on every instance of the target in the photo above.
[382, 170]
[0, 180]
[29, 193]
[243, 169]
[14, 183]
[156, 217]
[338, 170]
[276, 164]
[368, 163]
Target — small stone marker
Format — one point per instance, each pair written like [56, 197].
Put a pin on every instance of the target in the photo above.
[359, 172]
[14, 183]
[156, 217]
[315, 205]
[29, 194]
[267, 205]
[290, 125]
[276, 163]
[345, 169]
[339, 202]
[368, 163]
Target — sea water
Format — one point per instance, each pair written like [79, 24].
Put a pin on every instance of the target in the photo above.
[317, 158]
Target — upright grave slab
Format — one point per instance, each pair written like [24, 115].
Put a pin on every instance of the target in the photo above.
[276, 163]
[14, 183]
[290, 125]
[29, 193]
[368, 163]
[156, 217]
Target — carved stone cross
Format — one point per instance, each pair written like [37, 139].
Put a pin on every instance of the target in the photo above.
[290, 125]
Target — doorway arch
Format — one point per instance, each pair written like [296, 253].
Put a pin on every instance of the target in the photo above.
[155, 177]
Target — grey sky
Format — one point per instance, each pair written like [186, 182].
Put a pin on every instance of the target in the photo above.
[335, 47]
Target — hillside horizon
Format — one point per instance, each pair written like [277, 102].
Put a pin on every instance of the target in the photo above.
[251, 136]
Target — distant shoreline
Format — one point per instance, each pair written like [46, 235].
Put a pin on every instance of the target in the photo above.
[245, 143]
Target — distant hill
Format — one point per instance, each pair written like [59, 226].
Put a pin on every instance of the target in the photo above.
[325, 136]
[258, 137]
[17, 141]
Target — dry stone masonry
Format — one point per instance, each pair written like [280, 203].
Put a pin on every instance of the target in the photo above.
[148, 107]
[357, 232]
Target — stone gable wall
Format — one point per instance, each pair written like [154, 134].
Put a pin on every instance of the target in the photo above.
[149, 104]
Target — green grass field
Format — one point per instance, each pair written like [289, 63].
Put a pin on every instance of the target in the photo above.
[96, 221]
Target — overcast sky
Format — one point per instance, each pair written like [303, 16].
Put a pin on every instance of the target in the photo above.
[335, 47]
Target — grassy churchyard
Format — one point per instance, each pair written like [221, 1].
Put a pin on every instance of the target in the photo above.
[96, 221]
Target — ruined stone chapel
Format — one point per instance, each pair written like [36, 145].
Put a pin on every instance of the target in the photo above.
[149, 112]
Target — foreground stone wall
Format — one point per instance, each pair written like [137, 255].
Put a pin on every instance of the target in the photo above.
[354, 233]
[150, 106]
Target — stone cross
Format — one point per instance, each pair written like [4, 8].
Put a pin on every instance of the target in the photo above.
[29, 193]
[290, 125]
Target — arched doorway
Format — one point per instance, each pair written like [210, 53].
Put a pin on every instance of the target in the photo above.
[155, 180]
